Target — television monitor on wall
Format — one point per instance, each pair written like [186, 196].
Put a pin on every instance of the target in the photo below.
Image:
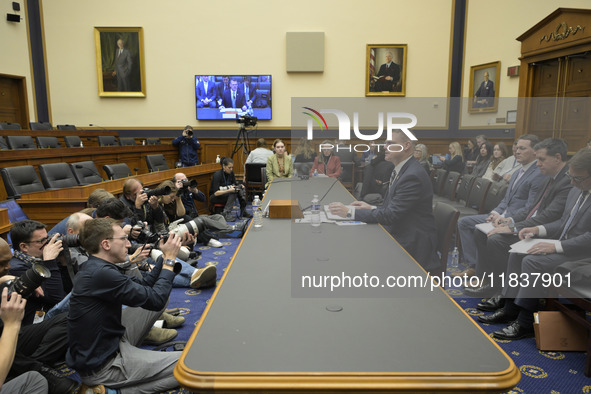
[214, 99]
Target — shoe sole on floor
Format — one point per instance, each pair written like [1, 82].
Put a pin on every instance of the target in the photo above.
[203, 277]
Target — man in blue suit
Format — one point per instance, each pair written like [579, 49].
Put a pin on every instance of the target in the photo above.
[519, 199]
[206, 93]
[248, 90]
[232, 98]
[573, 233]
[407, 211]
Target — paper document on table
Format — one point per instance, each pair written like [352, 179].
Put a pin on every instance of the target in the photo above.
[525, 245]
[308, 218]
[486, 227]
[332, 216]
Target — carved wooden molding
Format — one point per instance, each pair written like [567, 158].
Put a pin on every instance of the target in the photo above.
[561, 32]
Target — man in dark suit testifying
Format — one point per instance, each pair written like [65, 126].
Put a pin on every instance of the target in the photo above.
[123, 63]
[407, 211]
[388, 75]
[233, 98]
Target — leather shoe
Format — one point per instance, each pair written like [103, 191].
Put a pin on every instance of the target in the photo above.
[492, 304]
[469, 272]
[514, 331]
[483, 291]
[497, 317]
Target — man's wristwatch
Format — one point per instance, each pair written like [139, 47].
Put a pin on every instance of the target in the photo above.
[169, 262]
[349, 214]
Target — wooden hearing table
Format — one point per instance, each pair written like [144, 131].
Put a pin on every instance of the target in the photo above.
[263, 331]
[51, 206]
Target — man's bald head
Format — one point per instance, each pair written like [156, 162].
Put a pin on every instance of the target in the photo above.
[5, 256]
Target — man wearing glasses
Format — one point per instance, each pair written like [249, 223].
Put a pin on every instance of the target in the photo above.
[565, 239]
[31, 246]
[102, 337]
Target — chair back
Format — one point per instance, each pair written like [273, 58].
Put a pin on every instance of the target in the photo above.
[66, 127]
[86, 172]
[446, 220]
[48, 142]
[57, 176]
[253, 180]
[107, 140]
[264, 179]
[439, 178]
[10, 126]
[156, 163]
[495, 195]
[43, 126]
[20, 180]
[153, 141]
[465, 187]
[478, 194]
[451, 185]
[117, 171]
[347, 177]
[127, 141]
[21, 142]
[3, 144]
[72, 141]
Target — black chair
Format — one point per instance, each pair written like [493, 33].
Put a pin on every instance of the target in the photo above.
[20, 180]
[66, 127]
[448, 193]
[3, 145]
[438, 180]
[10, 126]
[156, 163]
[446, 221]
[153, 141]
[73, 141]
[21, 142]
[495, 195]
[475, 203]
[253, 181]
[127, 141]
[117, 171]
[86, 172]
[463, 191]
[264, 176]
[107, 140]
[40, 126]
[347, 177]
[57, 176]
[48, 142]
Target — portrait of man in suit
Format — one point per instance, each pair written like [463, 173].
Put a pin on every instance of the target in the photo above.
[386, 70]
[484, 87]
[122, 66]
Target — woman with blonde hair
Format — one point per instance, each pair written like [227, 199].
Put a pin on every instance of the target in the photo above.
[327, 162]
[279, 164]
[456, 161]
[304, 152]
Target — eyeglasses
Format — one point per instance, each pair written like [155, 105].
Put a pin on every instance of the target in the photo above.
[125, 238]
[39, 241]
[578, 179]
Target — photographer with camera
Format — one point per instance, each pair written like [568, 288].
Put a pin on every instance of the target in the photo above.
[102, 336]
[188, 145]
[226, 191]
[38, 345]
[142, 203]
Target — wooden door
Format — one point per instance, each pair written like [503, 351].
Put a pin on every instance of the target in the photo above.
[13, 100]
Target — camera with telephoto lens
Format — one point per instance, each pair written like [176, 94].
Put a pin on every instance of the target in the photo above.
[186, 184]
[26, 284]
[69, 240]
[153, 240]
[248, 121]
[237, 187]
[163, 191]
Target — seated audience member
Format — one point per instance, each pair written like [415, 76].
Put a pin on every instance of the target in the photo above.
[471, 152]
[407, 211]
[260, 154]
[225, 190]
[304, 152]
[206, 92]
[31, 246]
[368, 155]
[33, 348]
[573, 233]
[456, 161]
[326, 162]
[279, 164]
[493, 248]
[483, 161]
[500, 153]
[481, 139]
[507, 167]
[376, 179]
[520, 197]
[422, 155]
[102, 336]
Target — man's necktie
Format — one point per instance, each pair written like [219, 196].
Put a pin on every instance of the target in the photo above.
[392, 178]
[233, 99]
[573, 214]
[533, 211]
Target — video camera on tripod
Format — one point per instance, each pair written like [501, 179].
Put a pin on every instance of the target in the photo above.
[247, 121]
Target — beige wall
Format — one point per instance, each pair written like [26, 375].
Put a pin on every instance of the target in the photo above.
[491, 33]
[186, 37]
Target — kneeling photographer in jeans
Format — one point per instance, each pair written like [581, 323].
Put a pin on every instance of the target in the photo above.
[225, 190]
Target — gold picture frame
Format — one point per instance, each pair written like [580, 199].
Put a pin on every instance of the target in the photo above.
[385, 70]
[120, 61]
[484, 94]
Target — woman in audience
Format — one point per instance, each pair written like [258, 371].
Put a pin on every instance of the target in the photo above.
[421, 154]
[304, 152]
[483, 160]
[456, 161]
[471, 152]
[327, 162]
[500, 153]
[279, 165]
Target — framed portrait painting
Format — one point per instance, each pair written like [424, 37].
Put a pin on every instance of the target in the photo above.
[120, 61]
[484, 87]
[385, 66]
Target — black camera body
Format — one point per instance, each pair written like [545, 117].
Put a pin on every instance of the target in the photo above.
[26, 284]
[163, 191]
[248, 121]
[186, 185]
[69, 240]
